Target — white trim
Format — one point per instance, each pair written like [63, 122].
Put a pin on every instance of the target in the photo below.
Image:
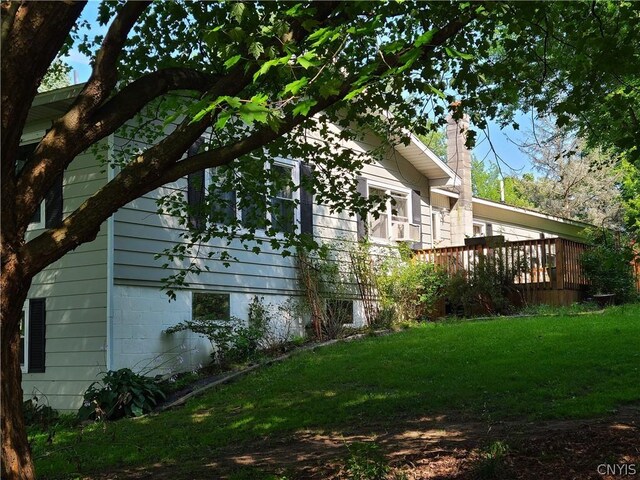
[388, 189]
[446, 193]
[533, 213]
[25, 365]
[110, 259]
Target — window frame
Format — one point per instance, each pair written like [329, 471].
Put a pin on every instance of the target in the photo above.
[436, 226]
[207, 292]
[294, 165]
[483, 229]
[389, 190]
[24, 365]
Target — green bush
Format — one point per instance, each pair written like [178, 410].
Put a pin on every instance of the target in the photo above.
[607, 265]
[232, 340]
[120, 393]
[410, 288]
[486, 287]
[38, 415]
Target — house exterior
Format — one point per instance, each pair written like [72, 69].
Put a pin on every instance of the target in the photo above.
[101, 306]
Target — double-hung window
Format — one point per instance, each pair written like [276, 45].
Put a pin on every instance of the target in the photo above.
[275, 210]
[394, 221]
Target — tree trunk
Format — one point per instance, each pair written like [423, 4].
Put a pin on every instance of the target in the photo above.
[16, 454]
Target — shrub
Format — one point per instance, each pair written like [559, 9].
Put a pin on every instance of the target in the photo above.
[410, 288]
[485, 288]
[38, 415]
[120, 393]
[607, 265]
[232, 340]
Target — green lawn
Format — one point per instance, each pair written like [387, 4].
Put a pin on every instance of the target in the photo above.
[534, 368]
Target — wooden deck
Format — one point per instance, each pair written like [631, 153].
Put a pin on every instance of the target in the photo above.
[546, 270]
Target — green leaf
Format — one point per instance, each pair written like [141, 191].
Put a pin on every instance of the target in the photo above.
[295, 86]
[237, 11]
[256, 49]
[437, 91]
[453, 53]
[222, 120]
[424, 38]
[232, 61]
[303, 107]
[307, 60]
[354, 93]
[252, 112]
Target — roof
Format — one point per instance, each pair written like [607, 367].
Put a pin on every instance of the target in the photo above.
[428, 163]
[524, 217]
[53, 103]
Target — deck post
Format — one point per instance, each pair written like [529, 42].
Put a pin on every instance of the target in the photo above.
[560, 264]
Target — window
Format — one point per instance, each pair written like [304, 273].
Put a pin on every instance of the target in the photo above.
[394, 221]
[281, 214]
[49, 215]
[436, 227]
[252, 213]
[340, 310]
[283, 205]
[478, 229]
[33, 336]
[210, 306]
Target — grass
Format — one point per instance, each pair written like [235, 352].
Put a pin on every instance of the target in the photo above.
[533, 368]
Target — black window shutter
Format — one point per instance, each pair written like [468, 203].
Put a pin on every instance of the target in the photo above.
[306, 201]
[53, 205]
[489, 232]
[363, 190]
[37, 335]
[195, 190]
[416, 216]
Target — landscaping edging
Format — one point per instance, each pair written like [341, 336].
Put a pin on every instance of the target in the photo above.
[232, 376]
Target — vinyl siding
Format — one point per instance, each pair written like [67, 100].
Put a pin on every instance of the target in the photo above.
[75, 289]
[140, 234]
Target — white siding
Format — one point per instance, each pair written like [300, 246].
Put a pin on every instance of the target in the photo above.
[75, 289]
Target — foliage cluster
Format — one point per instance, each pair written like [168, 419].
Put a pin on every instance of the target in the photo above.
[232, 341]
[327, 280]
[120, 393]
[410, 288]
[235, 341]
[607, 265]
[486, 287]
[38, 415]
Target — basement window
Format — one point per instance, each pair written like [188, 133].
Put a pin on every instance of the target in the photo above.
[210, 306]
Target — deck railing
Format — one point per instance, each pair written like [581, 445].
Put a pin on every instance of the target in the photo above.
[542, 264]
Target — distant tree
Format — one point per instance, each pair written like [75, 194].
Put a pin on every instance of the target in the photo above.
[574, 181]
[56, 77]
[436, 141]
[486, 184]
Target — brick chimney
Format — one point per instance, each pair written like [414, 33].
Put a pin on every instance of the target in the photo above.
[459, 159]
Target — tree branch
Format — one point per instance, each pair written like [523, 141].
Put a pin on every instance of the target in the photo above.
[159, 165]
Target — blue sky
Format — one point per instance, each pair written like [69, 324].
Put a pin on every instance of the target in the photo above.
[495, 146]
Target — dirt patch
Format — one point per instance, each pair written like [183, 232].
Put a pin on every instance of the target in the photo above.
[433, 448]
